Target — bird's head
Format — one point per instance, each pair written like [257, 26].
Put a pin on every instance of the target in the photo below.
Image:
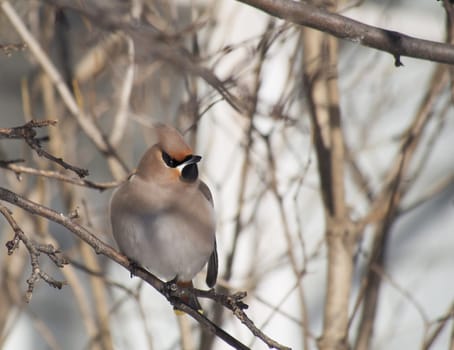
[170, 159]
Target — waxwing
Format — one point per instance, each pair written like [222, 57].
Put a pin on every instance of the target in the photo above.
[163, 218]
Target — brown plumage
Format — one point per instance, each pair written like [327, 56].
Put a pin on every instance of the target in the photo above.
[163, 217]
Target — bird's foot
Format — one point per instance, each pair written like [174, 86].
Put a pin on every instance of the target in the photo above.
[171, 288]
[182, 292]
[133, 267]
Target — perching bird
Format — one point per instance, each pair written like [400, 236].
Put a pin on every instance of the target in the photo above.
[163, 217]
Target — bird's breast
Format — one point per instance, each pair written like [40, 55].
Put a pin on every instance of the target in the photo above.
[170, 233]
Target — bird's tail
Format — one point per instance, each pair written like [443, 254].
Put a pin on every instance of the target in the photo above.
[190, 300]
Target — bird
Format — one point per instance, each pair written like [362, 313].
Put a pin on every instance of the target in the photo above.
[163, 216]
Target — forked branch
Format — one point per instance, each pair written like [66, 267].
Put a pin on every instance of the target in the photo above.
[173, 294]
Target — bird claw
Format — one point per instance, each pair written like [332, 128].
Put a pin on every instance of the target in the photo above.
[171, 287]
[133, 267]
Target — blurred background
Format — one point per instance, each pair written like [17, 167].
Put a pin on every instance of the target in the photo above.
[231, 79]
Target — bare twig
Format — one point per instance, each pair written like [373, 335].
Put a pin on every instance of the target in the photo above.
[99, 293]
[87, 125]
[173, 293]
[386, 207]
[121, 117]
[379, 270]
[295, 265]
[34, 251]
[397, 44]
[20, 169]
[431, 192]
[27, 132]
[320, 77]
[156, 46]
[244, 172]
[441, 323]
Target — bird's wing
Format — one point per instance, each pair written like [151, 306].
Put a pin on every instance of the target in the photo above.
[206, 192]
[212, 272]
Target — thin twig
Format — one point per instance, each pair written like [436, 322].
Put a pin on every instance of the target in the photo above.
[385, 208]
[20, 169]
[316, 17]
[27, 132]
[295, 265]
[87, 125]
[173, 294]
[441, 323]
[156, 46]
[34, 250]
[121, 116]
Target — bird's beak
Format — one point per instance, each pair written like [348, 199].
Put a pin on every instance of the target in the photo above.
[192, 160]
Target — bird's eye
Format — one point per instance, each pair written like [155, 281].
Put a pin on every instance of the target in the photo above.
[170, 162]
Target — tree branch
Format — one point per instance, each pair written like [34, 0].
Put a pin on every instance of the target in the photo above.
[34, 250]
[20, 169]
[320, 74]
[397, 44]
[386, 207]
[171, 291]
[27, 132]
[151, 44]
[86, 124]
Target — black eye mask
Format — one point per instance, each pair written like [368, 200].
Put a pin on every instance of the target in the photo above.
[187, 166]
[172, 162]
